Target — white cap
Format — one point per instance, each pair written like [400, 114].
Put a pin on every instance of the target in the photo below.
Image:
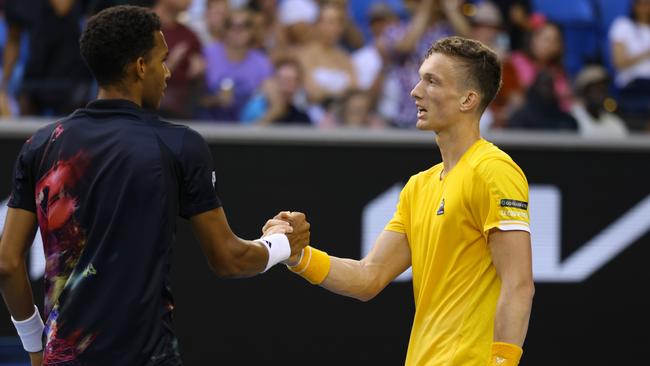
[297, 11]
[487, 14]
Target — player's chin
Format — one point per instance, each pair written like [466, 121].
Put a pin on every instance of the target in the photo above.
[423, 125]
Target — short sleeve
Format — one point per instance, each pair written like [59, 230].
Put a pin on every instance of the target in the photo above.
[198, 190]
[23, 180]
[500, 193]
[402, 216]
[621, 30]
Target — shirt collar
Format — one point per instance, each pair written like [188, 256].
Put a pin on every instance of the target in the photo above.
[113, 104]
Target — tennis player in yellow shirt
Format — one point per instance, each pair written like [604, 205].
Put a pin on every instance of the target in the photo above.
[462, 225]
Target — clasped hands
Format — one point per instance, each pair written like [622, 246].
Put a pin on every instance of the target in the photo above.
[295, 226]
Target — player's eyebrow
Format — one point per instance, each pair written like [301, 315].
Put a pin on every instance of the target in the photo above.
[430, 76]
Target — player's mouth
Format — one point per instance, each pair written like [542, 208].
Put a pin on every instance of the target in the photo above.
[421, 112]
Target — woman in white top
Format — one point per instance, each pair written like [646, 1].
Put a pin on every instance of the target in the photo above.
[329, 72]
[630, 38]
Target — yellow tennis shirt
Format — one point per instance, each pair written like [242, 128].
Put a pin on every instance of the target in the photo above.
[447, 222]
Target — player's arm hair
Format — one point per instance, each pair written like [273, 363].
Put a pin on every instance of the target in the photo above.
[511, 255]
[18, 235]
[364, 279]
[228, 255]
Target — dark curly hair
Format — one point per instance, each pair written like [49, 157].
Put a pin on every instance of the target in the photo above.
[115, 37]
[481, 65]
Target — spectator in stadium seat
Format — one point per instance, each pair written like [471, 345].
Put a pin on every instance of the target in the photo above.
[358, 111]
[591, 88]
[297, 18]
[542, 109]
[488, 27]
[234, 69]
[544, 53]
[329, 72]
[185, 61]
[266, 23]
[518, 22]
[630, 38]
[405, 45]
[211, 26]
[354, 110]
[282, 98]
[56, 81]
[352, 38]
[369, 65]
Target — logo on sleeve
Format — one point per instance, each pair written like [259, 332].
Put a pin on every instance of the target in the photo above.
[441, 209]
[514, 204]
[214, 179]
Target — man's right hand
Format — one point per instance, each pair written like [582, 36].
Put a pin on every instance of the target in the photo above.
[299, 237]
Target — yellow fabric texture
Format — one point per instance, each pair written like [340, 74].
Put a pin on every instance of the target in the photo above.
[505, 354]
[447, 222]
[314, 265]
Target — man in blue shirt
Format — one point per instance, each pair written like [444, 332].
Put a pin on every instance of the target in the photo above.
[105, 185]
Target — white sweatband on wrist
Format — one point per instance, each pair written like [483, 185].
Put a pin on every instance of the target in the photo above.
[278, 247]
[31, 331]
[302, 252]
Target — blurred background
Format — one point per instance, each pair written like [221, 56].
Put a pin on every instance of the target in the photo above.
[325, 84]
[581, 66]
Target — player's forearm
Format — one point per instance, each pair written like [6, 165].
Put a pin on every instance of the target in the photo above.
[245, 259]
[351, 278]
[16, 290]
[513, 313]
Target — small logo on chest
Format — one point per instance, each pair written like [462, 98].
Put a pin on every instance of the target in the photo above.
[441, 208]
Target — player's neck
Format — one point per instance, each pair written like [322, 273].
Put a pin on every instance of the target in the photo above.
[453, 142]
[118, 93]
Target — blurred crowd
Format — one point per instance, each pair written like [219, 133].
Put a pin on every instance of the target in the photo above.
[578, 65]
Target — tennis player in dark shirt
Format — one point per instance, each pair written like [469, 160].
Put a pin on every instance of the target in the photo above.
[105, 186]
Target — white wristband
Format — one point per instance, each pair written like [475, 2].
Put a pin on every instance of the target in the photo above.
[278, 247]
[31, 331]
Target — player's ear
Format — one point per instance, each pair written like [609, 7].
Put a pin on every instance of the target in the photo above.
[140, 67]
[469, 100]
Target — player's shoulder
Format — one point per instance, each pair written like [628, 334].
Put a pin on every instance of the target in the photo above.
[40, 138]
[177, 137]
[425, 175]
[488, 161]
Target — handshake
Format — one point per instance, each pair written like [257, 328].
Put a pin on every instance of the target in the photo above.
[296, 228]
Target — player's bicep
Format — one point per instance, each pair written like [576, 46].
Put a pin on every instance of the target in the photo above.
[18, 235]
[511, 255]
[389, 257]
